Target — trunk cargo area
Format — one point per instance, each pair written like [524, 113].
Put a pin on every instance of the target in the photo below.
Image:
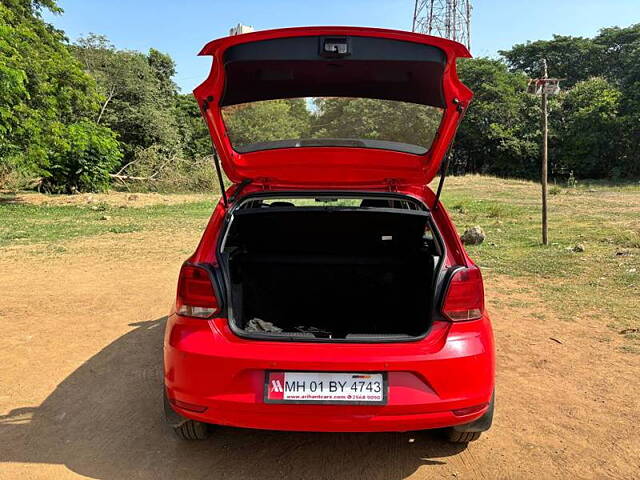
[330, 273]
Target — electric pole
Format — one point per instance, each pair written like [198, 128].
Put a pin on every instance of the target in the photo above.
[544, 87]
[545, 133]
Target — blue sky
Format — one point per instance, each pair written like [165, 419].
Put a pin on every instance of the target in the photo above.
[181, 28]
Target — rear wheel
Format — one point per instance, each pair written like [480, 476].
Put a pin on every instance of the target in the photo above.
[192, 430]
[470, 432]
[462, 437]
[185, 428]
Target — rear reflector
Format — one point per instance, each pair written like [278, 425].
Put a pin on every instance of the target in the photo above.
[464, 299]
[469, 410]
[196, 296]
[188, 406]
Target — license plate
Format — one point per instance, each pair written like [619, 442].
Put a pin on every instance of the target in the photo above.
[325, 388]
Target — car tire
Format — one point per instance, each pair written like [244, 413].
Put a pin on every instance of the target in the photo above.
[462, 437]
[184, 428]
[192, 430]
[470, 432]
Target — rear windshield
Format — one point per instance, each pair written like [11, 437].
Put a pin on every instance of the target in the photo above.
[332, 122]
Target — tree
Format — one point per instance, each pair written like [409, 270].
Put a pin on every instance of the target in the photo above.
[619, 53]
[375, 119]
[265, 121]
[499, 134]
[621, 57]
[43, 91]
[571, 58]
[164, 68]
[192, 129]
[590, 112]
[614, 57]
[139, 95]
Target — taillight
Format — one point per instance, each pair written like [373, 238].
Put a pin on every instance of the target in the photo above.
[464, 299]
[196, 296]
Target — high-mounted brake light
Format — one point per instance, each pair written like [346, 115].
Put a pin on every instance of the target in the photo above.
[196, 296]
[464, 299]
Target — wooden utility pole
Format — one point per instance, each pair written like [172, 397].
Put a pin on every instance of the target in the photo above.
[545, 132]
[544, 87]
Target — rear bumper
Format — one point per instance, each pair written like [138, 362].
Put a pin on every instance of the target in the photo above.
[207, 366]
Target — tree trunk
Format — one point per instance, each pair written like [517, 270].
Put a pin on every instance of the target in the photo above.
[106, 102]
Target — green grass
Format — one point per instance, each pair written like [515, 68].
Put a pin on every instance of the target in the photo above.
[24, 224]
[604, 280]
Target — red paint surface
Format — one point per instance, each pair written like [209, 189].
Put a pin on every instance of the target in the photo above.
[451, 369]
[332, 166]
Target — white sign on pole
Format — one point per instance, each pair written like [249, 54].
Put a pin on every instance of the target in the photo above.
[550, 86]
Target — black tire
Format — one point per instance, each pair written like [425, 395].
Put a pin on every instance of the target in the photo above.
[192, 430]
[462, 437]
[185, 428]
[470, 432]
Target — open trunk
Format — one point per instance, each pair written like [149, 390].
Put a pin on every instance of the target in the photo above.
[348, 273]
[392, 77]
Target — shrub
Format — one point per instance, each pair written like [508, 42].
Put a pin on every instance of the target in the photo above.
[83, 160]
[154, 169]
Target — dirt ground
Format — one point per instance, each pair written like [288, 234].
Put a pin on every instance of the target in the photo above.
[80, 386]
[112, 198]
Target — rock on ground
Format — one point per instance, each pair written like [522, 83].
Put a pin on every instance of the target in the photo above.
[473, 236]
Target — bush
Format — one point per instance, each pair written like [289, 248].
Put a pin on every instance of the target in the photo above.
[16, 174]
[84, 158]
[189, 175]
[154, 169]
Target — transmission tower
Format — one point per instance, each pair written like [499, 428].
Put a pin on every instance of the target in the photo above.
[444, 18]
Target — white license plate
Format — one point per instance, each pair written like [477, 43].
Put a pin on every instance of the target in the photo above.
[326, 387]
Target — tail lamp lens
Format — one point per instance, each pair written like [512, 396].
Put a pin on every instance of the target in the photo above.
[465, 295]
[196, 296]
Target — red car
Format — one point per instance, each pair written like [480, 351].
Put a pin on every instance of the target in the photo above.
[330, 291]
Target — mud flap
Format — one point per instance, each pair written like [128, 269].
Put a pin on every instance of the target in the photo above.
[480, 425]
[172, 418]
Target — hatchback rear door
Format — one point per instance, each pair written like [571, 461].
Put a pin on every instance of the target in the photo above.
[330, 63]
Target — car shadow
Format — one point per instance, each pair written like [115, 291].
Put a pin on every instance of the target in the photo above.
[105, 421]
